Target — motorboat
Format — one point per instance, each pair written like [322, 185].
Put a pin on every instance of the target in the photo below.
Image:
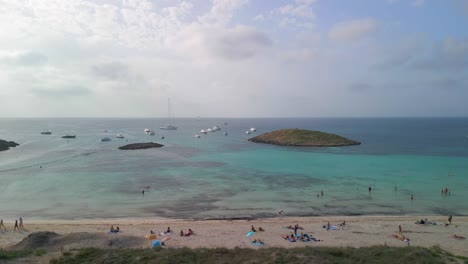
[147, 130]
[197, 136]
[151, 133]
[46, 132]
[162, 137]
[247, 132]
[209, 130]
[120, 136]
[225, 133]
[168, 127]
[253, 129]
[105, 139]
[69, 136]
[203, 131]
[216, 128]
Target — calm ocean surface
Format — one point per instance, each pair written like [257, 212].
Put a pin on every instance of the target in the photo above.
[227, 176]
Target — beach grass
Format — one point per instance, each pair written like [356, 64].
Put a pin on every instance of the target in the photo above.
[375, 254]
[14, 254]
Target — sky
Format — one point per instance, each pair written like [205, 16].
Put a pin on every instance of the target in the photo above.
[234, 58]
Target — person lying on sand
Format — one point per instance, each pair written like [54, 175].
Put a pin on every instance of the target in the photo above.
[292, 238]
[343, 224]
[458, 237]
[400, 237]
[260, 229]
[168, 231]
[259, 241]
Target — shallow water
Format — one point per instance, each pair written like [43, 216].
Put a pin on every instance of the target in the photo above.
[227, 176]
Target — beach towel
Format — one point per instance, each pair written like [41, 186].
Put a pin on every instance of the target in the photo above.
[249, 234]
[256, 243]
[151, 237]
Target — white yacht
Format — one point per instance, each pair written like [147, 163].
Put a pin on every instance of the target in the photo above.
[216, 128]
[253, 129]
[203, 131]
[46, 132]
[209, 130]
[247, 132]
[147, 130]
[197, 136]
[120, 136]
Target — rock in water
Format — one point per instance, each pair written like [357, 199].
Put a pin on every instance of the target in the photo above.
[6, 145]
[303, 138]
[135, 146]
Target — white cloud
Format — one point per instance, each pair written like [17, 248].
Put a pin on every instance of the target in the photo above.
[353, 30]
[238, 43]
[301, 8]
[259, 17]
[222, 11]
[23, 58]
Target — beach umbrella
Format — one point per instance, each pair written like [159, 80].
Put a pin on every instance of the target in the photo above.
[158, 243]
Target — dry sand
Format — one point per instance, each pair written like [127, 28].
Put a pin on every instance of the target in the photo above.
[359, 231]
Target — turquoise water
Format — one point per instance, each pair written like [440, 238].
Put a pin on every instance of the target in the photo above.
[227, 176]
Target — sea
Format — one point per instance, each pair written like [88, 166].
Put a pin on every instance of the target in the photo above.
[221, 176]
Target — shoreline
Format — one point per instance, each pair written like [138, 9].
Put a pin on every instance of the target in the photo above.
[359, 231]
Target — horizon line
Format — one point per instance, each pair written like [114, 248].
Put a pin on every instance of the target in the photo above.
[212, 117]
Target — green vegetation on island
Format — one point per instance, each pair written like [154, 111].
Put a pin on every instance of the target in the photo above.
[375, 255]
[135, 146]
[6, 145]
[303, 138]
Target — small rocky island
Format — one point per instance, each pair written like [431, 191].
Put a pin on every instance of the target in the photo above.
[6, 145]
[303, 138]
[135, 146]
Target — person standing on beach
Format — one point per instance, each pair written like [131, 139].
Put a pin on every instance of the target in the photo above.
[321, 192]
[2, 225]
[16, 226]
[400, 230]
[450, 219]
[142, 192]
[370, 189]
[21, 223]
[412, 197]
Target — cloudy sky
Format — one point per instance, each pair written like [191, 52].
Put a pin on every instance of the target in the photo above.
[233, 58]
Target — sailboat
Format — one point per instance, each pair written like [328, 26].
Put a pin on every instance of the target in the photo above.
[169, 126]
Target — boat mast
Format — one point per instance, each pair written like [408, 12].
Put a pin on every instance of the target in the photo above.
[169, 109]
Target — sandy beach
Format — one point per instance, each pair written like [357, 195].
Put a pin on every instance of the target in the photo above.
[359, 231]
